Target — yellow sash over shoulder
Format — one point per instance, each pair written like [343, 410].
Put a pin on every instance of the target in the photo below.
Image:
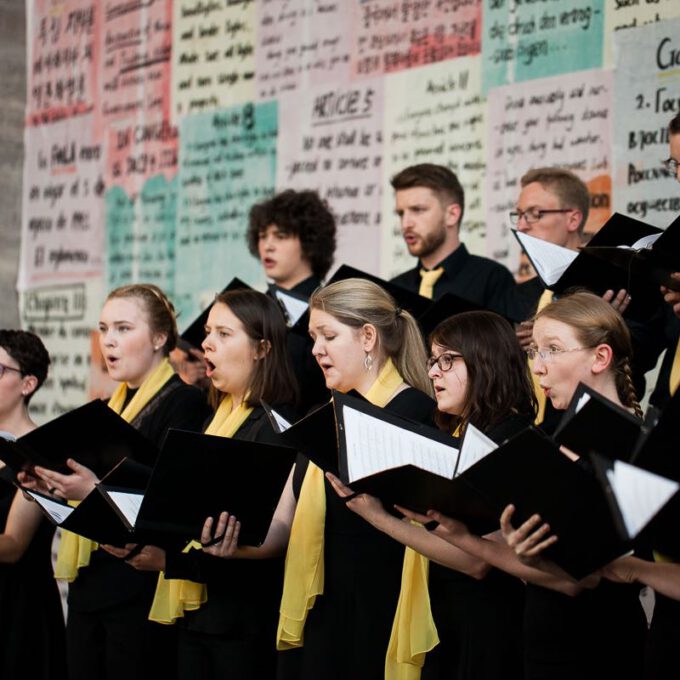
[304, 573]
[175, 596]
[75, 551]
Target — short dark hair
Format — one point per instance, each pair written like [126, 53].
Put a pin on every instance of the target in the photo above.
[302, 214]
[674, 125]
[499, 382]
[274, 381]
[569, 189]
[439, 178]
[28, 351]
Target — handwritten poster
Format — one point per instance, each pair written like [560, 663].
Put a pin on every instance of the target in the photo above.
[560, 122]
[647, 97]
[391, 35]
[301, 43]
[333, 144]
[626, 14]
[63, 316]
[140, 235]
[213, 57]
[435, 115]
[62, 235]
[62, 59]
[227, 163]
[538, 39]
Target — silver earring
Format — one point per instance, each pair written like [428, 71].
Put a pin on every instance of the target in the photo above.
[368, 362]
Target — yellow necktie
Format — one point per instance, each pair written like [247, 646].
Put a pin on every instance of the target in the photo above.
[427, 280]
[675, 371]
[545, 299]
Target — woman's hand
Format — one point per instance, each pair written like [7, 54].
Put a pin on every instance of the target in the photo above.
[529, 540]
[621, 570]
[452, 530]
[224, 541]
[146, 558]
[73, 487]
[366, 506]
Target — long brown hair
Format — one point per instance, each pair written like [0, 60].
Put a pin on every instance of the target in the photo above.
[596, 322]
[499, 382]
[355, 302]
[273, 380]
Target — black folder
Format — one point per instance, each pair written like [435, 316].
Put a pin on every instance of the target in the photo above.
[315, 436]
[527, 470]
[198, 476]
[195, 331]
[412, 486]
[656, 263]
[594, 424]
[93, 435]
[599, 275]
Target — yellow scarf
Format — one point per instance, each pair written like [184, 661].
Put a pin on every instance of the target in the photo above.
[428, 277]
[675, 371]
[545, 299]
[75, 551]
[175, 596]
[304, 572]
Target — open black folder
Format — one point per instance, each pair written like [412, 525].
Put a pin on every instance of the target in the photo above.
[381, 455]
[560, 268]
[594, 424]
[93, 435]
[108, 513]
[198, 476]
[655, 256]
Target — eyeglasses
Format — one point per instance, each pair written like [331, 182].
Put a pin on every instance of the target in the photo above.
[671, 165]
[443, 361]
[534, 214]
[4, 368]
[548, 355]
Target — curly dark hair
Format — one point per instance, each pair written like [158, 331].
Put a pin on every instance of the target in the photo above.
[28, 351]
[499, 382]
[302, 214]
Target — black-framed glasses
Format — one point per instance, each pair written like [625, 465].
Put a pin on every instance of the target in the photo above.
[671, 165]
[4, 368]
[534, 214]
[444, 361]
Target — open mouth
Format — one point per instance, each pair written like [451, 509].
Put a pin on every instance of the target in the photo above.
[209, 367]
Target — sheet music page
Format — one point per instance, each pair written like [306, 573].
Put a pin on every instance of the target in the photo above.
[280, 420]
[549, 260]
[56, 510]
[295, 307]
[582, 401]
[374, 445]
[476, 445]
[127, 503]
[640, 494]
[644, 242]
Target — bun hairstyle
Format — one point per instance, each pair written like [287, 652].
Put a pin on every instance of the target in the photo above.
[596, 322]
[499, 382]
[355, 302]
[28, 351]
[160, 312]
